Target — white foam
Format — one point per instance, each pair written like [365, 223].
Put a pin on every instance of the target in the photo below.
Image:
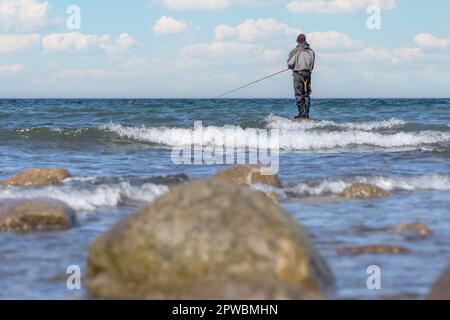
[88, 198]
[316, 140]
[281, 194]
[63, 131]
[289, 139]
[277, 122]
[208, 136]
[440, 182]
[80, 179]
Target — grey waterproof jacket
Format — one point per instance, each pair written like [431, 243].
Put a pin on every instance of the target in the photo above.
[302, 58]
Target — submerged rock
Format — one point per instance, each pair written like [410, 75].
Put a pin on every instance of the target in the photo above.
[207, 240]
[361, 191]
[378, 249]
[37, 176]
[301, 120]
[441, 288]
[415, 227]
[35, 215]
[169, 181]
[249, 174]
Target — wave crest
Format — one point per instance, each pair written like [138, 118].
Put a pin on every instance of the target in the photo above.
[277, 122]
[88, 198]
[296, 139]
[437, 182]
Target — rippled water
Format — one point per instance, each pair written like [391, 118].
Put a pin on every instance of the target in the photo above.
[112, 147]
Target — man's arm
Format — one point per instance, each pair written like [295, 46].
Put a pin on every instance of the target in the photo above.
[314, 60]
[291, 60]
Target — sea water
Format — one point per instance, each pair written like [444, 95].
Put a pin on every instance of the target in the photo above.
[112, 147]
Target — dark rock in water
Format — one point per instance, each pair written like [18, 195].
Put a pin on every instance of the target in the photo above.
[249, 174]
[363, 229]
[361, 191]
[168, 180]
[441, 288]
[207, 239]
[415, 227]
[301, 120]
[22, 216]
[37, 176]
[376, 249]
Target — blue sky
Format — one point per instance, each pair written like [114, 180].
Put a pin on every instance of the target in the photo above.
[202, 48]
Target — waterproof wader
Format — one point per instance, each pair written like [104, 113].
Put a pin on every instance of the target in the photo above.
[302, 88]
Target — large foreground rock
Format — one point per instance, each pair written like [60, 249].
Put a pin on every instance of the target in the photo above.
[37, 176]
[441, 288]
[361, 191]
[207, 240]
[248, 174]
[35, 215]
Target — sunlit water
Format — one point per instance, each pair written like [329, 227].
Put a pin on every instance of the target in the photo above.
[112, 146]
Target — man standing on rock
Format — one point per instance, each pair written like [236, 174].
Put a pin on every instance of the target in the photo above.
[301, 61]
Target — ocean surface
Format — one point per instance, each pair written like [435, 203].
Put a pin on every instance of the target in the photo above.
[112, 148]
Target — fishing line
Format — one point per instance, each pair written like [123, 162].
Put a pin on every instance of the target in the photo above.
[249, 84]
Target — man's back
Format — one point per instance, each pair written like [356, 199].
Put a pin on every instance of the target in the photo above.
[302, 58]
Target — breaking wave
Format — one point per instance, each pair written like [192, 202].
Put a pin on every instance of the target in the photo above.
[88, 198]
[439, 182]
[290, 139]
[284, 134]
[277, 122]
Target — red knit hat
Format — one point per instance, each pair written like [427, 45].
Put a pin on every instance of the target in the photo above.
[301, 38]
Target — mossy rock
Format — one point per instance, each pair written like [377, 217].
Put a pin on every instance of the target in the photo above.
[249, 174]
[27, 215]
[360, 191]
[207, 240]
[37, 177]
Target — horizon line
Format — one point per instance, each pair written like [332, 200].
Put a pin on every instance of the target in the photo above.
[237, 98]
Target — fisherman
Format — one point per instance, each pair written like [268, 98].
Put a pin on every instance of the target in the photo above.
[301, 61]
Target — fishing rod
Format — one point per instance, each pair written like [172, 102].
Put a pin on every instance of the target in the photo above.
[247, 85]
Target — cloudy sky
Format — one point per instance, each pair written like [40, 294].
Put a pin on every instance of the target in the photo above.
[201, 48]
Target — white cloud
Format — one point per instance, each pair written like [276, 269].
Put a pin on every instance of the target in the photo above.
[12, 69]
[366, 55]
[197, 4]
[264, 29]
[123, 43]
[337, 6]
[230, 50]
[220, 50]
[332, 39]
[83, 73]
[210, 4]
[427, 40]
[405, 54]
[72, 41]
[76, 41]
[23, 14]
[271, 55]
[251, 30]
[10, 42]
[168, 25]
